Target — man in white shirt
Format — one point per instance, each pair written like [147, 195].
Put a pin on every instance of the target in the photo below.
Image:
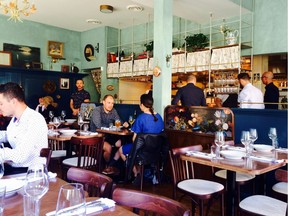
[250, 96]
[26, 132]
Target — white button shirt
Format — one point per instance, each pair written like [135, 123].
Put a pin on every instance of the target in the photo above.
[27, 136]
[251, 94]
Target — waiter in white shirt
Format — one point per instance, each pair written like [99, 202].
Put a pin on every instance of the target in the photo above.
[250, 96]
[26, 132]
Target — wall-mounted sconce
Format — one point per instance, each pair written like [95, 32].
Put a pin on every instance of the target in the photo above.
[97, 48]
[168, 58]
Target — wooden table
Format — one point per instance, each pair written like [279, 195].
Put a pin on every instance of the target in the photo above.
[121, 132]
[232, 166]
[14, 204]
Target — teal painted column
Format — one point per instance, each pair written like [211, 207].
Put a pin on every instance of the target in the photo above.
[163, 26]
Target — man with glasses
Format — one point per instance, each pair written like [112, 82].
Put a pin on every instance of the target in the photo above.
[272, 92]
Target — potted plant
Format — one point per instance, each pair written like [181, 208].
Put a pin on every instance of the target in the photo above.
[149, 48]
[195, 42]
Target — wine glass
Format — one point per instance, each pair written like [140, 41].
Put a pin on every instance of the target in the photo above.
[63, 114]
[246, 141]
[71, 200]
[253, 135]
[36, 184]
[56, 122]
[51, 115]
[80, 121]
[131, 120]
[219, 141]
[272, 134]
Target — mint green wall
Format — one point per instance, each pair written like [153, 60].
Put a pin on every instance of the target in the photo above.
[270, 26]
[37, 35]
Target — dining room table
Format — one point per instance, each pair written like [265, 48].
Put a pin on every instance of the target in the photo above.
[259, 163]
[14, 204]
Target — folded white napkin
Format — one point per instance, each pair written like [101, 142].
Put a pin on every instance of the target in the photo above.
[94, 206]
[265, 159]
[52, 175]
[104, 128]
[199, 154]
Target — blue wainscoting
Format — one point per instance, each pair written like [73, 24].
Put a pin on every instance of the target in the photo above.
[262, 120]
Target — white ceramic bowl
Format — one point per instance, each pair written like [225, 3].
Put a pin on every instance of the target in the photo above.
[68, 132]
[235, 155]
[70, 121]
[263, 147]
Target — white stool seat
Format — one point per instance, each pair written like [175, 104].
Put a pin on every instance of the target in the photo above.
[240, 177]
[281, 187]
[59, 153]
[264, 205]
[73, 161]
[200, 186]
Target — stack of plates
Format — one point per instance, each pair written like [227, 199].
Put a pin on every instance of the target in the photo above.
[12, 186]
[263, 147]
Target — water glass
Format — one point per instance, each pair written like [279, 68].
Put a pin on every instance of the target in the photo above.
[219, 141]
[253, 135]
[272, 134]
[2, 198]
[71, 200]
[214, 152]
[30, 206]
[246, 141]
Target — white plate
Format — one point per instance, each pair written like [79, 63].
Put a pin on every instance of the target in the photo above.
[235, 155]
[70, 120]
[68, 132]
[263, 147]
[12, 186]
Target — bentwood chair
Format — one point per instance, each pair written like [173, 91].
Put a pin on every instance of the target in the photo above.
[46, 152]
[144, 203]
[96, 184]
[199, 190]
[280, 189]
[89, 151]
[262, 205]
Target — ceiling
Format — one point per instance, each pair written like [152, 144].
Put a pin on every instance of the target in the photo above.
[72, 14]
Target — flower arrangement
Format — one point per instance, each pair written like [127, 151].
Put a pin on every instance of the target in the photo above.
[224, 29]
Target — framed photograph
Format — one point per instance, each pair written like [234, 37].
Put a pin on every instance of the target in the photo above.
[5, 58]
[64, 83]
[37, 65]
[65, 68]
[55, 49]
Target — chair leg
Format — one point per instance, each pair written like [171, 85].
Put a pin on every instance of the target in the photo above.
[201, 208]
[193, 207]
[142, 176]
[222, 204]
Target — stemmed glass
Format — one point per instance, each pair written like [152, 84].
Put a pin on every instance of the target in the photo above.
[36, 185]
[63, 114]
[51, 115]
[253, 137]
[117, 124]
[219, 141]
[272, 134]
[80, 121]
[246, 141]
[71, 200]
[131, 120]
[56, 122]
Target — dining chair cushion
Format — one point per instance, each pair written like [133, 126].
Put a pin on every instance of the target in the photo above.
[281, 187]
[263, 205]
[60, 153]
[74, 160]
[200, 186]
[240, 177]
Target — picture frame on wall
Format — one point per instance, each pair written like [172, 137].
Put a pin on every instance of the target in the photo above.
[64, 83]
[55, 49]
[37, 65]
[5, 58]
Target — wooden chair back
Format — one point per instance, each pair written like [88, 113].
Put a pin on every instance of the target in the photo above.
[181, 170]
[96, 184]
[148, 204]
[46, 152]
[89, 152]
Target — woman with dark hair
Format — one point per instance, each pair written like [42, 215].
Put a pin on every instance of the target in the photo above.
[147, 122]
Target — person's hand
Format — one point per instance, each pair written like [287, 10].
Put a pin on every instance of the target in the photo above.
[75, 112]
[126, 124]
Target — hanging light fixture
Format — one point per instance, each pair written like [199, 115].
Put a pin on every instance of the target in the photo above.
[16, 9]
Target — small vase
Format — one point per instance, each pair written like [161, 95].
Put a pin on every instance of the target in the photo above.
[231, 37]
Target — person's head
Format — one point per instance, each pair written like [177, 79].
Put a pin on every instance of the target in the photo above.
[11, 95]
[108, 103]
[146, 102]
[191, 79]
[267, 77]
[48, 100]
[244, 79]
[80, 84]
